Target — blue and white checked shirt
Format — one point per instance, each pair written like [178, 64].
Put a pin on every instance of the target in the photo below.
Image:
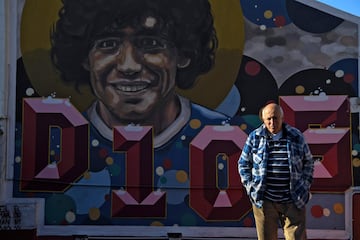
[253, 162]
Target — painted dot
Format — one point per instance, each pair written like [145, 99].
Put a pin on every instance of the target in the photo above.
[220, 166]
[316, 211]
[29, 91]
[167, 164]
[109, 160]
[67, 102]
[356, 146]
[339, 73]
[356, 162]
[163, 180]
[326, 212]
[94, 214]
[354, 152]
[18, 159]
[52, 152]
[114, 169]
[328, 81]
[195, 123]
[349, 78]
[57, 157]
[107, 197]
[183, 137]
[300, 89]
[348, 40]
[181, 176]
[103, 153]
[243, 126]
[156, 224]
[243, 109]
[87, 175]
[338, 208]
[188, 220]
[252, 68]
[268, 14]
[248, 222]
[150, 22]
[322, 94]
[179, 145]
[262, 27]
[280, 21]
[57, 205]
[70, 216]
[159, 171]
[95, 143]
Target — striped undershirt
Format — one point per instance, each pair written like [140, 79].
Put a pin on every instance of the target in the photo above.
[278, 173]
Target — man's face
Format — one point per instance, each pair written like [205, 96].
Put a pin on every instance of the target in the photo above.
[272, 117]
[132, 72]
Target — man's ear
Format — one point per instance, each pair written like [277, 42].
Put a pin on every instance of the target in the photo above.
[260, 114]
[183, 62]
[86, 64]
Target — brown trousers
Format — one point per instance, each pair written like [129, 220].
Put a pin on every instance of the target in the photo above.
[272, 215]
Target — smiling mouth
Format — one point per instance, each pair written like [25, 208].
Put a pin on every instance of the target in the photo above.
[131, 88]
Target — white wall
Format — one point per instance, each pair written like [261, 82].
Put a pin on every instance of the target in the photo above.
[8, 26]
[2, 97]
[9, 53]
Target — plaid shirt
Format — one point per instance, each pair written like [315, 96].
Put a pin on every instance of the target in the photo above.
[253, 161]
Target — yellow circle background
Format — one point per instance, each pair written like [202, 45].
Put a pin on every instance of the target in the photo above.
[38, 17]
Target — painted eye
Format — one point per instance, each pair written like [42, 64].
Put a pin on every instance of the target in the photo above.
[108, 44]
[151, 43]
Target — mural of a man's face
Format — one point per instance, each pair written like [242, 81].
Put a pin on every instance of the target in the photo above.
[131, 71]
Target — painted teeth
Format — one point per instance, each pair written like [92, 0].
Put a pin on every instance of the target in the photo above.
[134, 88]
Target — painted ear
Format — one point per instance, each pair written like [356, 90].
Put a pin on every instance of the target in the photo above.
[183, 62]
[86, 64]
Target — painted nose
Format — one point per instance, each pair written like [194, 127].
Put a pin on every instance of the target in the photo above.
[127, 62]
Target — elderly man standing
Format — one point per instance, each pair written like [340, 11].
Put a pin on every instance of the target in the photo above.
[276, 168]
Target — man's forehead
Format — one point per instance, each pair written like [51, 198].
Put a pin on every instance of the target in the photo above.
[148, 24]
[271, 110]
[145, 21]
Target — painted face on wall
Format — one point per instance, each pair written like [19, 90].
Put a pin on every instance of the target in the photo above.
[132, 71]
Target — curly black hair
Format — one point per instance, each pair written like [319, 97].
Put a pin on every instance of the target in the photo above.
[187, 23]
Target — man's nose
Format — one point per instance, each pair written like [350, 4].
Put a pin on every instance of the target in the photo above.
[127, 59]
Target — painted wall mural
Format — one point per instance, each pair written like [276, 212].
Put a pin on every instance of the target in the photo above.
[135, 112]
